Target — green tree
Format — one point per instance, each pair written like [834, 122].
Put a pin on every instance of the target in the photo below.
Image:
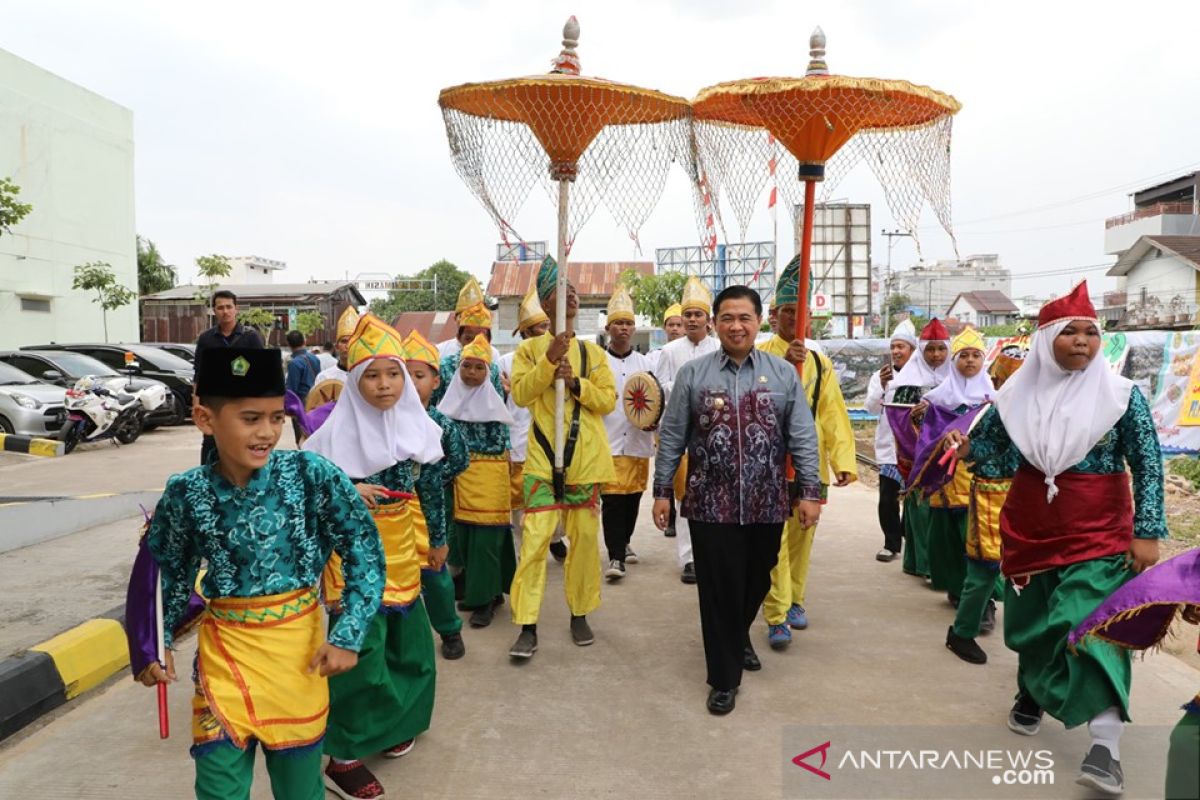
[98, 277]
[1007, 329]
[309, 322]
[260, 319]
[211, 268]
[420, 296]
[154, 274]
[11, 212]
[654, 294]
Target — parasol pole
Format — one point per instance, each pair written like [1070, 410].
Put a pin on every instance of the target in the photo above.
[560, 325]
[164, 723]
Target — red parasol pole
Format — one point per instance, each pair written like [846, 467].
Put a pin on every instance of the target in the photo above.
[806, 234]
[164, 722]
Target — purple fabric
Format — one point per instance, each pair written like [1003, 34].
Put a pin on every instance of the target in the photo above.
[141, 623]
[309, 421]
[905, 436]
[1139, 614]
[927, 475]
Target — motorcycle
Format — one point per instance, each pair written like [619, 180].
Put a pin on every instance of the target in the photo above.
[95, 412]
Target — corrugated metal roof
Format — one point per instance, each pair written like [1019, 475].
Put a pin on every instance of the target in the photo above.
[262, 291]
[436, 326]
[590, 278]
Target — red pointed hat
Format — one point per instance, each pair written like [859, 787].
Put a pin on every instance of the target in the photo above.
[935, 331]
[1075, 305]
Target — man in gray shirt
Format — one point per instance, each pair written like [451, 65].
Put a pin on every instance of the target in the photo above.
[738, 413]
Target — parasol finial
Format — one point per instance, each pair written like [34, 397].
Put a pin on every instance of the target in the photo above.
[567, 62]
[816, 52]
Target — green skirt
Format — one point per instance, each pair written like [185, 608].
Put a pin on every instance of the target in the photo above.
[1072, 687]
[388, 697]
[489, 559]
[947, 549]
[916, 535]
[1183, 759]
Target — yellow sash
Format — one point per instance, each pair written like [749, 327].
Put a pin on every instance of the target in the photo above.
[400, 525]
[516, 487]
[481, 494]
[983, 524]
[956, 493]
[253, 679]
[632, 475]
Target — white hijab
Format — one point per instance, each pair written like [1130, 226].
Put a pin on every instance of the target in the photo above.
[363, 440]
[917, 373]
[480, 403]
[957, 391]
[1056, 416]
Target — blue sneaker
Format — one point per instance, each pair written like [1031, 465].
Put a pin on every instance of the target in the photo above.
[796, 618]
[779, 636]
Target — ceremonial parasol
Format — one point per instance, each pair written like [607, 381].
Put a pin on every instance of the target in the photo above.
[900, 129]
[614, 142]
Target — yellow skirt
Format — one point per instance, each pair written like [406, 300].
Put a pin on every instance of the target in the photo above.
[956, 493]
[482, 493]
[253, 681]
[983, 524]
[516, 485]
[632, 475]
[405, 539]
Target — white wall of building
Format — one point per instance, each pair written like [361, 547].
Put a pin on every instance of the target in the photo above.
[71, 152]
[1120, 238]
[963, 312]
[253, 270]
[1163, 277]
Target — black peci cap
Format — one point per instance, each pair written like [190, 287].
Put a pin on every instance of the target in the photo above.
[239, 372]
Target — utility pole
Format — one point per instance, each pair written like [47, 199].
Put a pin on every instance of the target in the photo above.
[887, 280]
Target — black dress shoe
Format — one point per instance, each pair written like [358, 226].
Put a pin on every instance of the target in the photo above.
[721, 701]
[689, 573]
[965, 648]
[750, 660]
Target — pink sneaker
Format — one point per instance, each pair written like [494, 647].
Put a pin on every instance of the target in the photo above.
[402, 749]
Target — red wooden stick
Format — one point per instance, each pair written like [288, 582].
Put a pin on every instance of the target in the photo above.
[164, 721]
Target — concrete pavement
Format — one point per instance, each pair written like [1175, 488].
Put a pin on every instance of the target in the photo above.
[625, 717]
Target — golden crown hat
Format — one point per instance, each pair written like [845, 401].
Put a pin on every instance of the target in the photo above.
[620, 305]
[478, 348]
[469, 296]
[347, 322]
[969, 339]
[374, 338]
[530, 312]
[418, 348]
[696, 295]
[477, 316]
[673, 310]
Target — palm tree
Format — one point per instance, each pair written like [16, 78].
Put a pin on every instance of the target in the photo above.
[154, 275]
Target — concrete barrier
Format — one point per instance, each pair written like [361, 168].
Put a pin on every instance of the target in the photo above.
[31, 520]
[32, 445]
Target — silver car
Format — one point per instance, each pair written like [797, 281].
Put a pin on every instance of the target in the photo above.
[28, 406]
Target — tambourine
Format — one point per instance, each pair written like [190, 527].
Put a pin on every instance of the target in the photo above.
[642, 400]
[324, 392]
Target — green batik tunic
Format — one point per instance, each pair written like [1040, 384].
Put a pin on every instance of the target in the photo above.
[273, 536]
[1075, 686]
[437, 476]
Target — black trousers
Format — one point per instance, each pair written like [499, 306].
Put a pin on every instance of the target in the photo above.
[671, 517]
[889, 513]
[618, 515]
[733, 575]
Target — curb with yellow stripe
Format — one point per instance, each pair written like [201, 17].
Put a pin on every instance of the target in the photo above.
[61, 669]
[32, 445]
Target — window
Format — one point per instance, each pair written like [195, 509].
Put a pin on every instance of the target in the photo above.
[110, 358]
[34, 366]
[35, 304]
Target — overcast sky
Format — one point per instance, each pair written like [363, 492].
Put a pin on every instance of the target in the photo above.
[310, 132]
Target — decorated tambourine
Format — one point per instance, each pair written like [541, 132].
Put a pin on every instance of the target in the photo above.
[324, 392]
[642, 400]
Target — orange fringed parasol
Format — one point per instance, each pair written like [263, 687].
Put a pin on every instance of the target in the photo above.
[901, 129]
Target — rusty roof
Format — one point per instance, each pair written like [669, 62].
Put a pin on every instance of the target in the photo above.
[436, 326]
[590, 278]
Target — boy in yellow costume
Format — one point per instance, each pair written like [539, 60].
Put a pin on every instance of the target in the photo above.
[784, 606]
[346, 324]
[587, 462]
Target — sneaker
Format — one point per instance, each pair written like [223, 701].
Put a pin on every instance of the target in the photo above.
[453, 647]
[581, 632]
[965, 648]
[779, 636]
[525, 646]
[352, 781]
[559, 550]
[630, 556]
[482, 617]
[402, 749]
[797, 618]
[615, 571]
[1102, 772]
[988, 624]
[885, 555]
[669, 532]
[689, 573]
[1025, 717]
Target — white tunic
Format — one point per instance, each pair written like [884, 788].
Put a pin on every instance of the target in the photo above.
[885, 441]
[334, 373]
[518, 432]
[674, 355]
[623, 437]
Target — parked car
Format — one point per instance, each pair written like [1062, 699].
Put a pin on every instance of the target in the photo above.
[185, 351]
[28, 406]
[150, 362]
[63, 368]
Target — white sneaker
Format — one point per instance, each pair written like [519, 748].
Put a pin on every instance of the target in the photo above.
[630, 556]
[615, 571]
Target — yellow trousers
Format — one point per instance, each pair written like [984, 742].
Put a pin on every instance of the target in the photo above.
[581, 572]
[790, 575]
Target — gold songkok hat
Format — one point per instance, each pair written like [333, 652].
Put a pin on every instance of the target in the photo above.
[969, 339]
[479, 348]
[696, 295]
[418, 348]
[373, 338]
[471, 294]
[673, 310]
[620, 305]
[347, 322]
[530, 312]
[477, 316]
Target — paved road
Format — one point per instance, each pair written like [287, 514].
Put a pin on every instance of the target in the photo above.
[625, 717]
